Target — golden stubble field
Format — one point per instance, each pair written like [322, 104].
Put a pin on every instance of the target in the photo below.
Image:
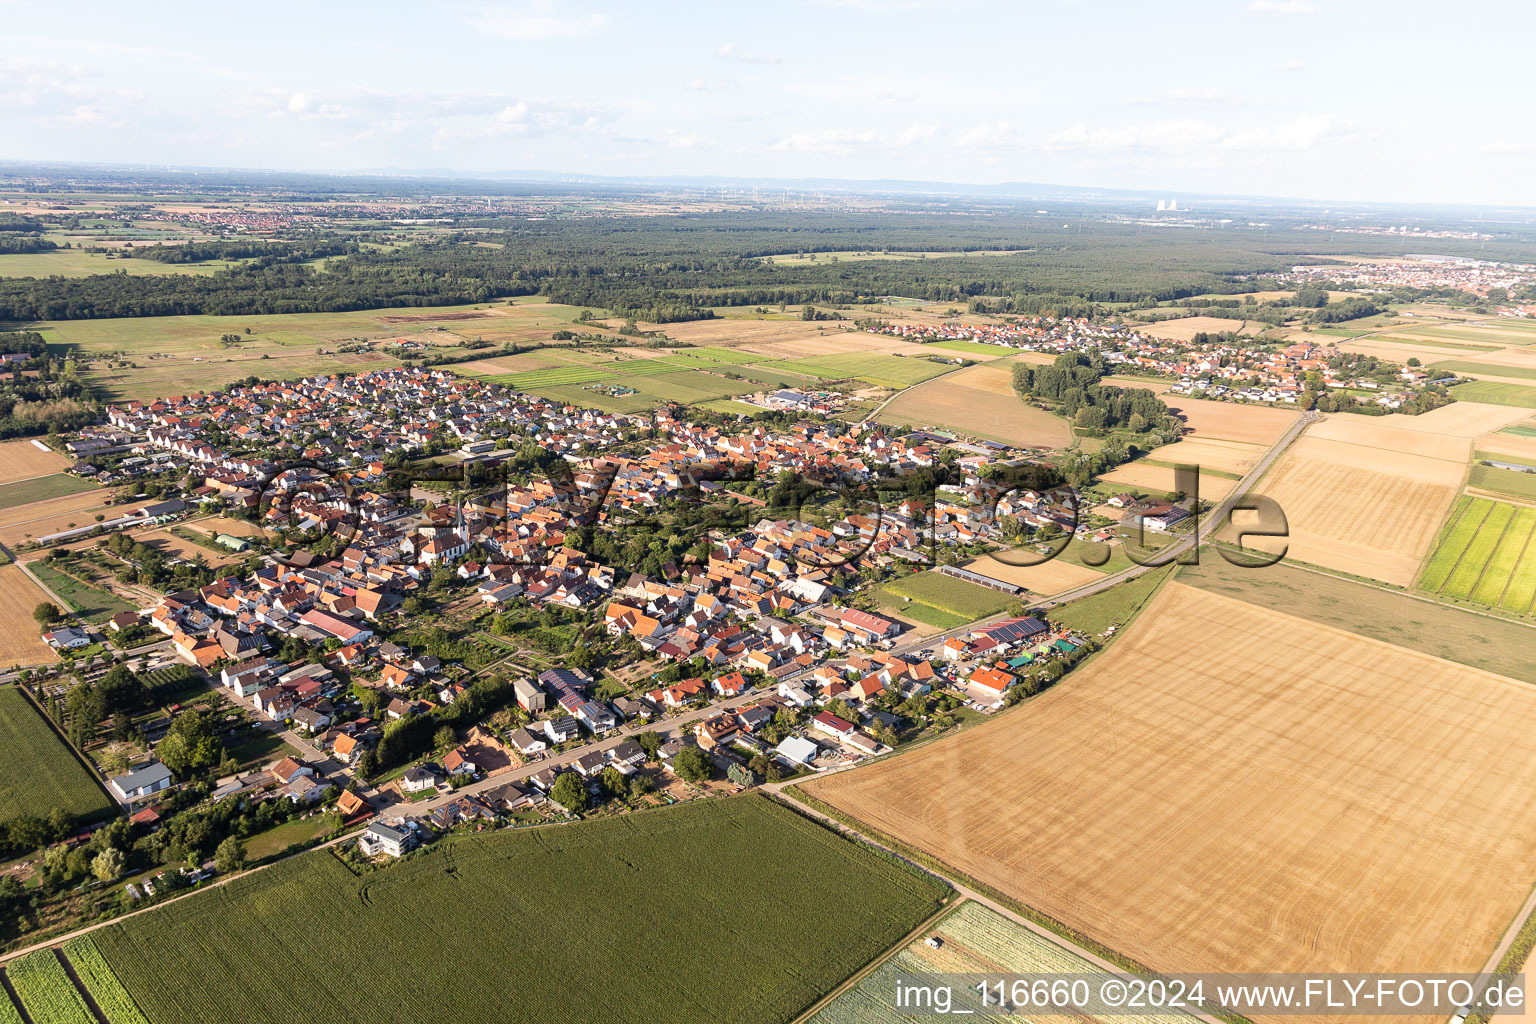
[28, 522]
[1140, 476]
[1186, 327]
[978, 400]
[1047, 578]
[1363, 497]
[21, 639]
[23, 460]
[1229, 788]
[1232, 421]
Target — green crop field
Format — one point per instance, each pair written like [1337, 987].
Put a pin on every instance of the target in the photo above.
[101, 984]
[883, 370]
[45, 991]
[1496, 394]
[55, 485]
[974, 940]
[894, 604]
[1096, 612]
[1503, 481]
[946, 593]
[721, 910]
[1484, 554]
[90, 603]
[37, 771]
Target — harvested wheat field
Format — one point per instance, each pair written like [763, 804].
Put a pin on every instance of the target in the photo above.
[27, 522]
[1395, 435]
[1059, 574]
[1370, 511]
[1460, 419]
[1509, 444]
[23, 460]
[1140, 476]
[978, 400]
[1230, 788]
[1256, 424]
[1524, 358]
[1401, 352]
[21, 641]
[1211, 453]
[1184, 328]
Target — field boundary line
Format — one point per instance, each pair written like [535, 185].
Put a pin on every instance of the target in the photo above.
[1489, 561]
[85, 994]
[9, 991]
[1525, 546]
[1509, 499]
[1463, 552]
[980, 893]
[906, 940]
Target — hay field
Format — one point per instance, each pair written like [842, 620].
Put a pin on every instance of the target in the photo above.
[1371, 509]
[1140, 476]
[1256, 424]
[23, 460]
[1211, 453]
[978, 400]
[21, 639]
[27, 522]
[1230, 788]
[1186, 327]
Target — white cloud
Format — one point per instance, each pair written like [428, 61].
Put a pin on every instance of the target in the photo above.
[1508, 148]
[1292, 65]
[828, 141]
[990, 134]
[1299, 133]
[917, 132]
[1282, 7]
[298, 103]
[537, 20]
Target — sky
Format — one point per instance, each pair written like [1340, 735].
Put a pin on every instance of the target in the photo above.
[1321, 99]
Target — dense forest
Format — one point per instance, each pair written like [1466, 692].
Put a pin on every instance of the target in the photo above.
[668, 268]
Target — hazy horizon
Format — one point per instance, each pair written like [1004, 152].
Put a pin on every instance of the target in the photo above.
[1313, 100]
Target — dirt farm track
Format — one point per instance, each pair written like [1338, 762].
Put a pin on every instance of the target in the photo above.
[1229, 788]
